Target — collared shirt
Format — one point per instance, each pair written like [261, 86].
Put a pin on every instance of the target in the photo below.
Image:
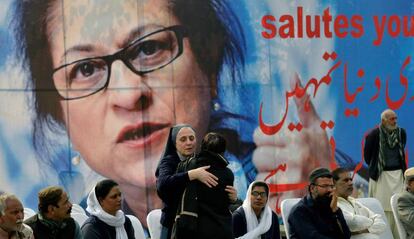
[359, 218]
[25, 233]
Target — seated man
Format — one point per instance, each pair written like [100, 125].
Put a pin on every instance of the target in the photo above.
[11, 219]
[255, 219]
[317, 215]
[53, 219]
[405, 204]
[362, 222]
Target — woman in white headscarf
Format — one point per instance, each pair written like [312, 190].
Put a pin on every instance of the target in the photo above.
[255, 219]
[107, 220]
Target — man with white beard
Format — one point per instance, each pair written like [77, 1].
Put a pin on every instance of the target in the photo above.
[384, 154]
[11, 219]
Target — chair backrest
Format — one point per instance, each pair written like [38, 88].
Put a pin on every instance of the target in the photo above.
[286, 206]
[80, 218]
[154, 224]
[138, 229]
[76, 208]
[374, 205]
[394, 207]
[28, 212]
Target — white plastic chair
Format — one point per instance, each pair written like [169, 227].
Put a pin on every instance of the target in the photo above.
[76, 208]
[154, 225]
[80, 218]
[394, 206]
[28, 212]
[138, 230]
[374, 205]
[286, 206]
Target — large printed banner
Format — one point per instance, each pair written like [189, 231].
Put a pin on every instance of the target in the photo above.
[89, 89]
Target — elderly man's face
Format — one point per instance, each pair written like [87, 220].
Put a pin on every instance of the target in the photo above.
[344, 185]
[391, 121]
[12, 219]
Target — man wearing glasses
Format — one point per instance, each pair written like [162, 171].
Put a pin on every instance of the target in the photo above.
[317, 215]
[385, 157]
[362, 222]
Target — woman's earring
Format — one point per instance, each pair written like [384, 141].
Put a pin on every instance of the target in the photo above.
[77, 159]
[216, 106]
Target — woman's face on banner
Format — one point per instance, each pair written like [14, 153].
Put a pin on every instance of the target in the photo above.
[121, 131]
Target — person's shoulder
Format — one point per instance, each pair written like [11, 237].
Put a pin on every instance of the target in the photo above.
[92, 224]
[27, 231]
[373, 132]
[93, 228]
[403, 132]
[350, 199]
[239, 218]
[127, 221]
[359, 204]
[168, 159]
[305, 201]
[91, 221]
[31, 220]
[405, 196]
[128, 225]
[71, 220]
[274, 215]
[167, 163]
[239, 212]
[302, 205]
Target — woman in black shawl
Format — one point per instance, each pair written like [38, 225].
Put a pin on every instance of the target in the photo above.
[181, 144]
[204, 211]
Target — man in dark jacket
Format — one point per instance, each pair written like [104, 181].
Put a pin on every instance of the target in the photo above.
[384, 154]
[53, 220]
[317, 215]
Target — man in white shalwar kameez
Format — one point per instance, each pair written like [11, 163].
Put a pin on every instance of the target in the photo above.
[362, 222]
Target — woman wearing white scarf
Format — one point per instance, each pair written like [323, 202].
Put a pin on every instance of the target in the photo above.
[107, 220]
[255, 219]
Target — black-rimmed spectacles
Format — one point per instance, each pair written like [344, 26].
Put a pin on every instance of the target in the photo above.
[149, 53]
[326, 186]
[261, 194]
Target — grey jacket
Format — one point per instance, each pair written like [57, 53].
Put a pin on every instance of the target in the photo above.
[405, 205]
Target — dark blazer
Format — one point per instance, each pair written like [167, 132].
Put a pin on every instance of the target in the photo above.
[371, 152]
[307, 221]
[240, 225]
[170, 187]
[93, 228]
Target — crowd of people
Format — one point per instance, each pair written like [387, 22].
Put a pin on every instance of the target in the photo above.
[200, 201]
[106, 85]
[116, 81]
